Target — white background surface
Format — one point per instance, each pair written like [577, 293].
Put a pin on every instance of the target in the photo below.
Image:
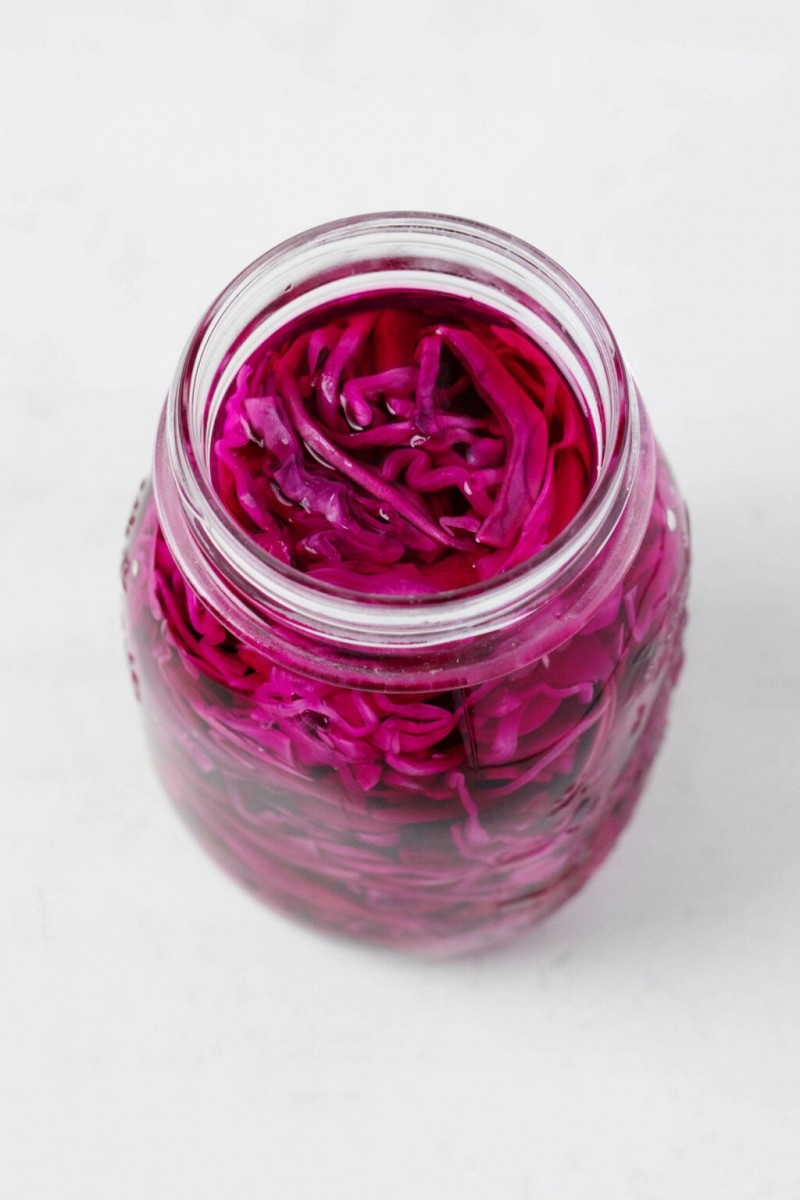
[163, 1036]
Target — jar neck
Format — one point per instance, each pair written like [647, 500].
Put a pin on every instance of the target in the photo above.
[419, 252]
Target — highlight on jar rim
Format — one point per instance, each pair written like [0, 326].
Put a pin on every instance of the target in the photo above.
[404, 598]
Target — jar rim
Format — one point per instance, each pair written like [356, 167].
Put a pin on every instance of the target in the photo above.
[349, 253]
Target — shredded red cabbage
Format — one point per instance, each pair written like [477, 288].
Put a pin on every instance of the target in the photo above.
[402, 448]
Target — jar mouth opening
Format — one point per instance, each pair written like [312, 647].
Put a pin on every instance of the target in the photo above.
[396, 251]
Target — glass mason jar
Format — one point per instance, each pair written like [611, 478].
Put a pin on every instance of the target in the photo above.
[433, 772]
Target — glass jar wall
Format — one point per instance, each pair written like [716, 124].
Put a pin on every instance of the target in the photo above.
[437, 770]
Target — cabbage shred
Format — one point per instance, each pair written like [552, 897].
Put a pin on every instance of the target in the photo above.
[402, 448]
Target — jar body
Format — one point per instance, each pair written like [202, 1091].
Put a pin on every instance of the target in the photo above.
[439, 818]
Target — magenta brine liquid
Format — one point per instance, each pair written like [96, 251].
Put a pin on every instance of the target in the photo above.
[404, 446]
